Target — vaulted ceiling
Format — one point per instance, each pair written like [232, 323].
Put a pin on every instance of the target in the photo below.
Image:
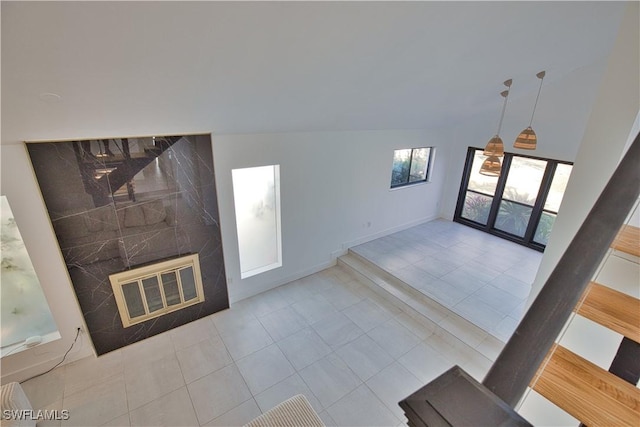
[286, 66]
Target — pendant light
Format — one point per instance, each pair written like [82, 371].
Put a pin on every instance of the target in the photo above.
[527, 139]
[491, 166]
[495, 147]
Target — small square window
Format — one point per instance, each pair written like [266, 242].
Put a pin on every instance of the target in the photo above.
[411, 165]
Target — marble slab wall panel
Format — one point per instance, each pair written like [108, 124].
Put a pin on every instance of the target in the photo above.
[165, 206]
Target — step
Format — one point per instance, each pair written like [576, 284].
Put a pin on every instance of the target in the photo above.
[441, 321]
[589, 393]
[628, 240]
[612, 309]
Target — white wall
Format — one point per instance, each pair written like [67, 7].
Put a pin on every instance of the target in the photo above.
[559, 121]
[334, 192]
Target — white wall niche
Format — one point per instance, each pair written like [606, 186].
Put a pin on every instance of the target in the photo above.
[256, 194]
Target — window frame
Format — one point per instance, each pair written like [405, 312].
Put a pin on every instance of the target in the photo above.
[429, 166]
[536, 210]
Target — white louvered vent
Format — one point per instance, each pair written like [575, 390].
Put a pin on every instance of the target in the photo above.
[154, 290]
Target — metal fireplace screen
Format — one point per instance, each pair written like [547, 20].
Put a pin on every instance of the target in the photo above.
[154, 290]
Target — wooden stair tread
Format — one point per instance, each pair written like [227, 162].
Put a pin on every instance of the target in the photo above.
[589, 393]
[628, 240]
[612, 309]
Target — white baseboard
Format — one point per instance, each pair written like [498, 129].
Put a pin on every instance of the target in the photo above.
[282, 281]
[333, 256]
[345, 246]
[337, 254]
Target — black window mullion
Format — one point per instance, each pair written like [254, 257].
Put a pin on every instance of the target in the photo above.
[466, 176]
[479, 192]
[410, 163]
[428, 170]
[538, 207]
[497, 198]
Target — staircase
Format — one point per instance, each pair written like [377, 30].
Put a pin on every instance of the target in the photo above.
[612, 309]
[628, 240]
[588, 392]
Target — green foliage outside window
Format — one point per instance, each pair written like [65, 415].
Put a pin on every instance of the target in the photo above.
[544, 228]
[477, 207]
[513, 218]
[401, 165]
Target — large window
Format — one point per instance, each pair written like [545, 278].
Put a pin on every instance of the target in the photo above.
[411, 165]
[520, 205]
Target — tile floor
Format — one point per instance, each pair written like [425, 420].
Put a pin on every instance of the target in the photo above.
[478, 276]
[328, 336]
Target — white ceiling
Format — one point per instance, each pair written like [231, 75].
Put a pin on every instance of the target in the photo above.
[270, 66]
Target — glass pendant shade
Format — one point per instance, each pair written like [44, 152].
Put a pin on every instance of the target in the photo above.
[494, 147]
[491, 166]
[526, 140]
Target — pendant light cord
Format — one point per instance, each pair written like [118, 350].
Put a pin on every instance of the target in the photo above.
[504, 107]
[541, 74]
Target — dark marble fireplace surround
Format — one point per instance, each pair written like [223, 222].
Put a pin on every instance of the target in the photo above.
[166, 208]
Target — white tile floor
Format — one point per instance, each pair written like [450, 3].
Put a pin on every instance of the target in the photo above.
[478, 276]
[327, 336]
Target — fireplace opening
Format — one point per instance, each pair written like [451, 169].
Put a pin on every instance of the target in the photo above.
[154, 290]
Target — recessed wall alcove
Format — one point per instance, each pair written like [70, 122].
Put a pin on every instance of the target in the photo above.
[123, 203]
